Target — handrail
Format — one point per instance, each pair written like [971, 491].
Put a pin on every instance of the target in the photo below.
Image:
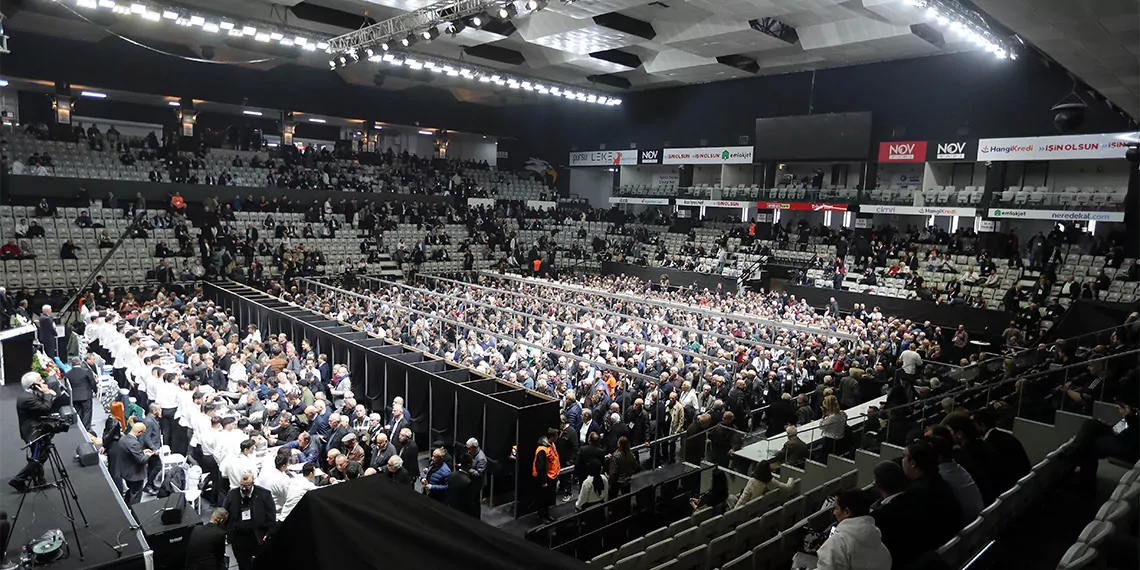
[107, 257]
[528, 344]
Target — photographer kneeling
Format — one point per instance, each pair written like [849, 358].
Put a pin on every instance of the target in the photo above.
[33, 407]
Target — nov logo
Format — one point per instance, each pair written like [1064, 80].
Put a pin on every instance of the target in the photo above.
[952, 150]
[649, 155]
[905, 150]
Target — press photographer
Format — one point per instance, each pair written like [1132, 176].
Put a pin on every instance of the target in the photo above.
[34, 408]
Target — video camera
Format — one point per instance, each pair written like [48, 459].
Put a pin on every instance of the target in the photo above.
[56, 423]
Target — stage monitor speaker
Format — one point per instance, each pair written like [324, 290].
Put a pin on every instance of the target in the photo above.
[86, 454]
[167, 540]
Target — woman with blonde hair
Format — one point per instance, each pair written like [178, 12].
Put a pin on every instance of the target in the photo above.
[833, 426]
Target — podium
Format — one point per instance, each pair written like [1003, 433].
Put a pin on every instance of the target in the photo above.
[16, 352]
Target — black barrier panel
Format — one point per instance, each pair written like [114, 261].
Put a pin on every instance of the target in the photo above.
[374, 396]
[409, 357]
[395, 383]
[432, 365]
[390, 349]
[502, 386]
[677, 277]
[338, 329]
[483, 385]
[533, 419]
[417, 404]
[355, 336]
[357, 368]
[373, 343]
[457, 376]
[946, 316]
[469, 409]
[443, 409]
[516, 398]
[500, 436]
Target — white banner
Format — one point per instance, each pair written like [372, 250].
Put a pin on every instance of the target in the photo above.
[644, 201]
[480, 202]
[604, 158]
[710, 155]
[986, 226]
[917, 210]
[1064, 147]
[541, 204]
[713, 203]
[862, 223]
[1058, 215]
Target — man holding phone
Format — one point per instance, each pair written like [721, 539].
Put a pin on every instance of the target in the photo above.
[33, 405]
[1098, 440]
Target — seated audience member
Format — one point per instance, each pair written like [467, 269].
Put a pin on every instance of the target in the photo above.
[716, 497]
[943, 514]
[10, 250]
[959, 480]
[899, 516]
[856, 543]
[997, 473]
[68, 249]
[761, 483]
[1004, 443]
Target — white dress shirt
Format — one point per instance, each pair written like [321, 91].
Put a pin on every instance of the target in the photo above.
[298, 486]
[277, 483]
[238, 464]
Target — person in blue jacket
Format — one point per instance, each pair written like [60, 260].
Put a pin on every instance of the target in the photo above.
[436, 476]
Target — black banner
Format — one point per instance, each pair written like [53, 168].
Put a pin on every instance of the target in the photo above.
[953, 150]
[650, 156]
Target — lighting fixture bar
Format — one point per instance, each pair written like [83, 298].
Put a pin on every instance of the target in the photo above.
[414, 22]
[93, 94]
[252, 113]
[957, 20]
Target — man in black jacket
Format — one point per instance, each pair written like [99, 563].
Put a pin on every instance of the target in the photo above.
[253, 514]
[724, 440]
[46, 333]
[396, 473]
[84, 386]
[693, 442]
[637, 419]
[567, 446]
[462, 495]
[32, 405]
[1006, 445]
[898, 516]
[941, 508]
[206, 547]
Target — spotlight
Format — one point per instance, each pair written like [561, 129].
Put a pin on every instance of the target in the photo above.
[409, 41]
[430, 33]
[332, 64]
[454, 28]
[384, 46]
[368, 53]
[478, 20]
[508, 11]
[342, 60]
[535, 5]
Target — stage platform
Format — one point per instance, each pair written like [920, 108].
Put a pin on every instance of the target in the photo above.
[107, 515]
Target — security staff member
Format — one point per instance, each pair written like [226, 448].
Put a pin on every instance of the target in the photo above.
[252, 515]
[206, 547]
[32, 406]
[545, 471]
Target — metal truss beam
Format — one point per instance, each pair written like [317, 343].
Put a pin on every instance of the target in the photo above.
[412, 22]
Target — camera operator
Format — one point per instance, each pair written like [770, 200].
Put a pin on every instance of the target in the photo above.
[33, 406]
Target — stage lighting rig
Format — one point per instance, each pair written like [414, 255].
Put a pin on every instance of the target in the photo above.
[455, 28]
[535, 5]
[430, 33]
[508, 11]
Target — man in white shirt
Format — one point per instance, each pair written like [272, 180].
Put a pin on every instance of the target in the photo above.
[166, 396]
[242, 462]
[277, 481]
[237, 371]
[689, 396]
[253, 335]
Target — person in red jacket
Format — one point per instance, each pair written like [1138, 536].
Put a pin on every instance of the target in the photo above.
[10, 250]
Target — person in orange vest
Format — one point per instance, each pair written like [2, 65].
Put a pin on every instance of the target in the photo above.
[545, 471]
[537, 267]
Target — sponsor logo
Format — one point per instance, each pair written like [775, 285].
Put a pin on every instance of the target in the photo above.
[650, 157]
[1010, 213]
[903, 151]
[1007, 149]
[884, 209]
[828, 208]
[951, 151]
[1093, 216]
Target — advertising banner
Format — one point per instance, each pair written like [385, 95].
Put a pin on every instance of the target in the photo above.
[986, 226]
[1058, 215]
[603, 158]
[649, 156]
[713, 203]
[1064, 147]
[710, 155]
[952, 150]
[480, 202]
[763, 217]
[643, 201]
[862, 223]
[902, 151]
[802, 206]
[917, 210]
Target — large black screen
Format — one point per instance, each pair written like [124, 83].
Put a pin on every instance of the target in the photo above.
[839, 136]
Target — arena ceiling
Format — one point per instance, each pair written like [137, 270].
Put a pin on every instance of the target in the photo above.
[608, 46]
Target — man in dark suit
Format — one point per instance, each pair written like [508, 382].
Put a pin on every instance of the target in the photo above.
[46, 333]
[151, 440]
[130, 462]
[617, 430]
[1006, 445]
[590, 451]
[397, 422]
[693, 443]
[398, 474]
[206, 547]
[462, 494]
[408, 450]
[253, 514]
[898, 517]
[84, 386]
[32, 406]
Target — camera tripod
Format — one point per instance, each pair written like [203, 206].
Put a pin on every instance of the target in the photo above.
[61, 481]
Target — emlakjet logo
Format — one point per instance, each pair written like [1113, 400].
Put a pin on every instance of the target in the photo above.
[903, 151]
[951, 151]
[1010, 213]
